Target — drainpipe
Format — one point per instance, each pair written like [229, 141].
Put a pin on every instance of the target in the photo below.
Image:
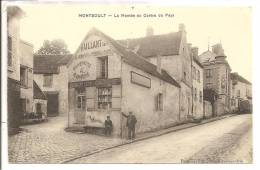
[179, 104]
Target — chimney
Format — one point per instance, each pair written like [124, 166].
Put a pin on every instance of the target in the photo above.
[181, 27]
[149, 31]
[195, 52]
[159, 69]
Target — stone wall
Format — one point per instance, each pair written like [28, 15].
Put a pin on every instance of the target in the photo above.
[142, 101]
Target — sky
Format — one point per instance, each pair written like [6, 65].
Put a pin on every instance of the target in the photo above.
[205, 26]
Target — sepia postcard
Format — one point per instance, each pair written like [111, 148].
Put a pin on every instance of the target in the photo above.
[126, 83]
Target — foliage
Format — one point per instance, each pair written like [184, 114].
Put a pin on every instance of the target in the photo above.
[210, 95]
[54, 47]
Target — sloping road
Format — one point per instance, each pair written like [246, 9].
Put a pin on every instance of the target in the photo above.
[224, 141]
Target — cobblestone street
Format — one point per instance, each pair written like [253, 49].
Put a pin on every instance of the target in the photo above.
[48, 143]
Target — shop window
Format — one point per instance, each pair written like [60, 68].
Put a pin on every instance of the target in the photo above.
[103, 67]
[104, 98]
[81, 98]
[200, 96]
[48, 79]
[24, 76]
[208, 73]
[159, 102]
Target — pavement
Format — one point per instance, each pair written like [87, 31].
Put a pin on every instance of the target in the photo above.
[225, 141]
[48, 142]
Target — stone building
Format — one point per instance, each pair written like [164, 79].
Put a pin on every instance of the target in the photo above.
[26, 77]
[217, 77]
[174, 54]
[106, 78]
[14, 14]
[241, 90]
[197, 85]
[51, 74]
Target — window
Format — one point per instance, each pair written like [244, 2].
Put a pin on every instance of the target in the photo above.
[24, 76]
[198, 76]
[103, 67]
[104, 98]
[10, 57]
[193, 72]
[159, 102]
[200, 96]
[238, 93]
[195, 94]
[208, 73]
[184, 74]
[209, 85]
[81, 98]
[48, 78]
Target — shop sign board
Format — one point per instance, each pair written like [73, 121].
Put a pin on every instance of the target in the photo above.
[140, 80]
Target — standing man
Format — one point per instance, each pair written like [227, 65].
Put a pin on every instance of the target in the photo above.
[130, 123]
[108, 126]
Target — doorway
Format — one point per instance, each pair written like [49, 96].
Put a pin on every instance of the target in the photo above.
[52, 104]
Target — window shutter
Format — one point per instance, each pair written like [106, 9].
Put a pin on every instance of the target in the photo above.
[116, 96]
[90, 96]
[98, 68]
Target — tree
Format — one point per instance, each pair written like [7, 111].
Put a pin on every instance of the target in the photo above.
[211, 96]
[56, 47]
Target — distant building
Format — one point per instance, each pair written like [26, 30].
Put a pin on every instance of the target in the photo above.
[241, 91]
[197, 85]
[217, 77]
[51, 74]
[106, 78]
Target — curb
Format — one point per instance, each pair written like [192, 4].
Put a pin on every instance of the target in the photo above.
[147, 137]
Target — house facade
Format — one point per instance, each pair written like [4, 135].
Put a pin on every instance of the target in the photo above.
[217, 77]
[106, 78]
[197, 86]
[51, 75]
[174, 53]
[14, 14]
[26, 77]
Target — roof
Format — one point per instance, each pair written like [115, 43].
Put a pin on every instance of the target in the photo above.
[165, 44]
[37, 92]
[235, 76]
[49, 64]
[139, 62]
[197, 61]
[207, 56]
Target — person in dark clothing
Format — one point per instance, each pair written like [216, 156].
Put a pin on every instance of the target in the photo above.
[108, 126]
[130, 123]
